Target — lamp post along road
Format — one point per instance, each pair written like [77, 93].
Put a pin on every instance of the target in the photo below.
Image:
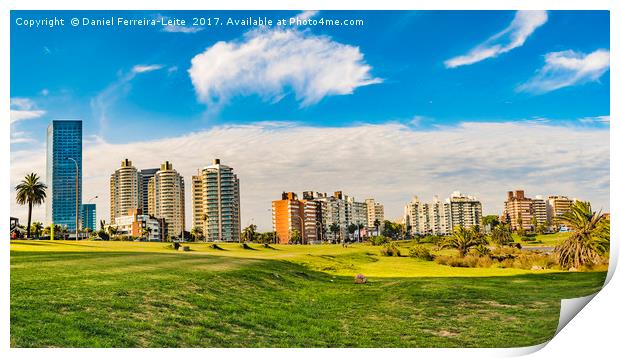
[77, 196]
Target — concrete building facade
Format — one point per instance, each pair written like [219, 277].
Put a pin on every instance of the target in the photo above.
[125, 190]
[166, 200]
[216, 203]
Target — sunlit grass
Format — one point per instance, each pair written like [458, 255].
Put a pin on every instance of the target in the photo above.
[134, 294]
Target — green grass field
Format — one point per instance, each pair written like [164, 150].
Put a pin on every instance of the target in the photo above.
[130, 294]
[543, 240]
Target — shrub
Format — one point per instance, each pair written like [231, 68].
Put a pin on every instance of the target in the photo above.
[378, 240]
[502, 253]
[482, 250]
[390, 249]
[420, 252]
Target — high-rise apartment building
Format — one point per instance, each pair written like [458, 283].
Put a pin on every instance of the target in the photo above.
[64, 173]
[341, 210]
[427, 219]
[442, 217]
[167, 200]
[557, 205]
[125, 190]
[89, 216]
[519, 211]
[540, 211]
[374, 212]
[216, 203]
[290, 215]
[466, 211]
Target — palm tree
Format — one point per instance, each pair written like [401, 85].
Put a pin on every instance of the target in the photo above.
[248, 233]
[463, 240]
[32, 192]
[377, 224]
[501, 235]
[38, 228]
[589, 239]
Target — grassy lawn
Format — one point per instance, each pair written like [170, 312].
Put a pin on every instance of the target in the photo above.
[543, 240]
[127, 294]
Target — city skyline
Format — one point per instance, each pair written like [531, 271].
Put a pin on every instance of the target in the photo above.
[449, 119]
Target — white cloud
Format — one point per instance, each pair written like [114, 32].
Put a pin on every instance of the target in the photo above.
[272, 63]
[389, 162]
[308, 14]
[183, 29]
[101, 103]
[145, 68]
[22, 109]
[521, 27]
[567, 68]
[417, 120]
[20, 115]
[595, 120]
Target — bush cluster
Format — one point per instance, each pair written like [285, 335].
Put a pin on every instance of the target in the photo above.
[467, 261]
[420, 252]
[505, 257]
[390, 249]
[378, 240]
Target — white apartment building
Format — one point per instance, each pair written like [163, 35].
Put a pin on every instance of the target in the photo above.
[441, 217]
[125, 190]
[374, 212]
[216, 202]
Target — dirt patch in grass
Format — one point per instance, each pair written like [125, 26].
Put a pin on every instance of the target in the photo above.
[445, 333]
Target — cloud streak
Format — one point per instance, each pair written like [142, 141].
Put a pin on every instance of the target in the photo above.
[521, 27]
[390, 162]
[567, 68]
[24, 109]
[273, 63]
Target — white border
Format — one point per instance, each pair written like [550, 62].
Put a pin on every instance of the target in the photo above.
[592, 331]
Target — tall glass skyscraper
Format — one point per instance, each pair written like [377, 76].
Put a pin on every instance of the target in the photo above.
[89, 216]
[64, 163]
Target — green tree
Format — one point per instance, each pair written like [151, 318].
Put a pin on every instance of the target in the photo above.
[491, 220]
[295, 237]
[534, 224]
[37, 228]
[197, 233]
[589, 238]
[249, 233]
[501, 235]
[377, 225]
[392, 230]
[351, 229]
[463, 240]
[30, 191]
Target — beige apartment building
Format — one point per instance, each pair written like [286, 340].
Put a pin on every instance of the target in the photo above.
[374, 212]
[519, 211]
[558, 205]
[125, 190]
[167, 199]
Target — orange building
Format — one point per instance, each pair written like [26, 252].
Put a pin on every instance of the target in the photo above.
[290, 215]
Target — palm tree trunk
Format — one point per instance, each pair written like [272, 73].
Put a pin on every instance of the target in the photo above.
[29, 219]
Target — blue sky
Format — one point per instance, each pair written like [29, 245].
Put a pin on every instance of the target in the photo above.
[421, 71]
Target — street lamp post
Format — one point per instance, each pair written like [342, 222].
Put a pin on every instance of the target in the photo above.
[77, 197]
